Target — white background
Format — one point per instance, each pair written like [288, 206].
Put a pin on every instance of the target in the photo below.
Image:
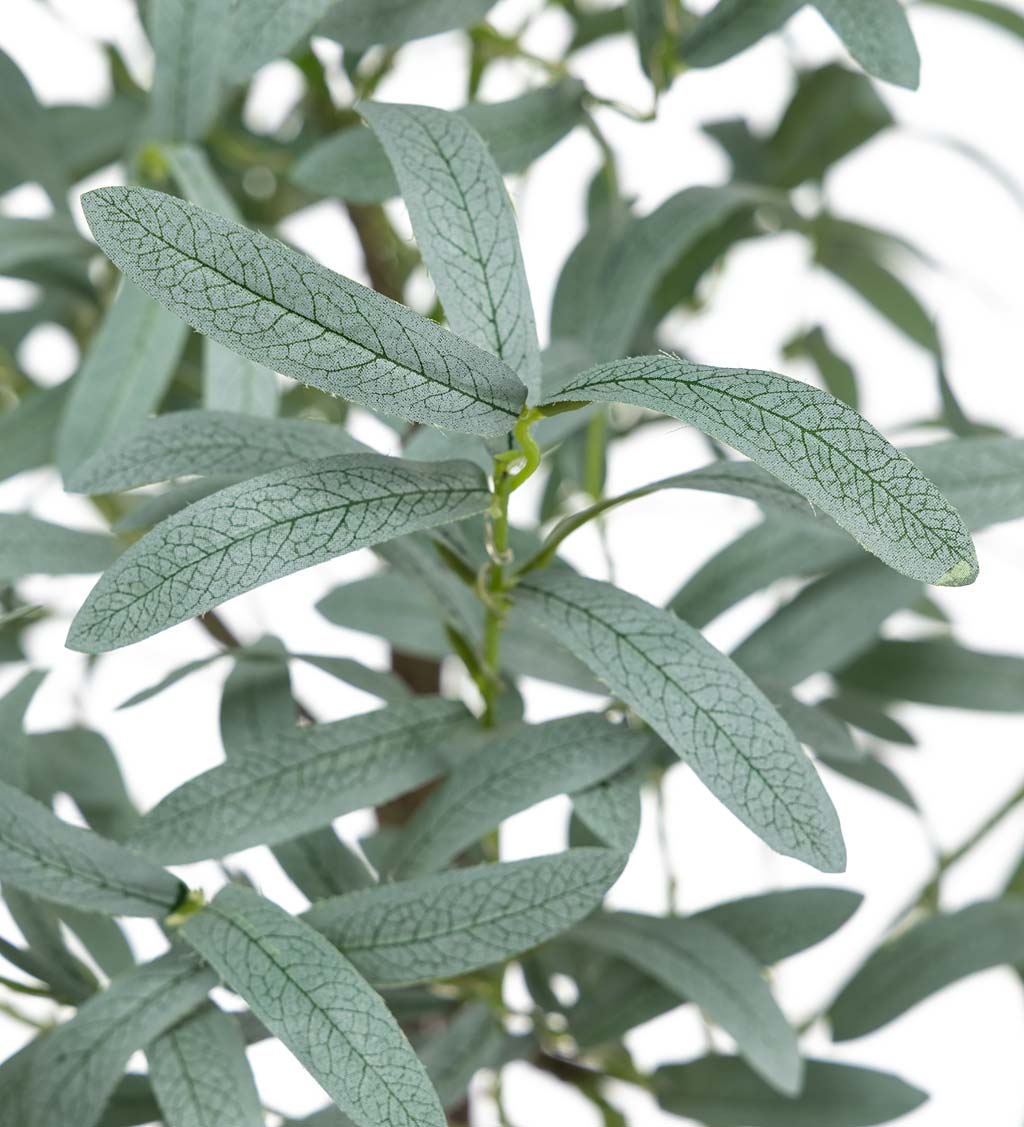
[963, 1046]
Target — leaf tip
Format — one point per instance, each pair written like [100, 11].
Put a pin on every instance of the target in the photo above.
[961, 574]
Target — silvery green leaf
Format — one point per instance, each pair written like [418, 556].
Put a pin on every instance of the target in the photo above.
[446, 924]
[377, 682]
[91, 137]
[877, 34]
[264, 528]
[732, 26]
[16, 758]
[78, 1065]
[514, 770]
[131, 1104]
[982, 477]
[827, 624]
[700, 703]
[474, 1039]
[27, 147]
[70, 980]
[359, 24]
[29, 546]
[208, 443]
[264, 30]
[941, 673]
[303, 779]
[200, 1075]
[868, 715]
[49, 858]
[192, 45]
[102, 938]
[321, 865]
[126, 371]
[702, 964]
[836, 372]
[26, 242]
[426, 444]
[871, 772]
[812, 442]
[465, 228]
[823, 732]
[312, 998]
[620, 284]
[153, 508]
[723, 1090]
[28, 430]
[774, 549]
[352, 164]
[230, 382]
[925, 959]
[610, 809]
[81, 764]
[280, 308]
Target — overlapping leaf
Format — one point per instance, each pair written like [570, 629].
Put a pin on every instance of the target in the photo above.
[359, 24]
[265, 528]
[282, 309]
[700, 703]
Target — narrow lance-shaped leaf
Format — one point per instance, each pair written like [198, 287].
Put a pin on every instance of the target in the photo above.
[264, 30]
[230, 382]
[282, 309]
[79, 1064]
[732, 26]
[877, 34]
[124, 376]
[200, 1075]
[209, 443]
[474, 1039]
[812, 442]
[312, 998]
[29, 546]
[26, 242]
[352, 164]
[27, 143]
[265, 528]
[303, 779]
[16, 757]
[610, 809]
[28, 430]
[925, 959]
[49, 858]
[939, 672]
[446, 924]
[70, 979]
[703, 965]
[358, 24]
[700, 703]
[464, 225]
[723, 1091]
[510, 773]
[192, 43]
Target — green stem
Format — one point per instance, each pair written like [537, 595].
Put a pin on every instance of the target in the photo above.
[25, 988]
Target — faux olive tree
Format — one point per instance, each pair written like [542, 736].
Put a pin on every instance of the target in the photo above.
[188, 309]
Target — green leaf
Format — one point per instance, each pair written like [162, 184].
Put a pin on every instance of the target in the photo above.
[731, 27]
[16, 757]
[27, 147]
[352, 164]
[812, 442]
[78, 1065]
[941, 673]
[827, 624]
[982, 477]
[230, 382]
[464, 225]
[312, 998]
[511, 772]
[872, 772]
[27, 242]
[997, 14]
[358, 24]
[649, 25]
[321, 865]
[124, 376]
[102, 938]
[704, 965]
[131, 1104]
[701, 704]
[877, 34]
[297, 317]
[862, 712]
[153, 508]
[925, 959]
[192, 42]
[81, 764]
[261, 529]
[209, 443]
[723, 1091]
[303, 779]
[474, 1039]
[264, 30]
[70, 980]
[200, 1075]
[29, 546]
[837, 374]
[28, 430]
[49, 858]
[824, 733]
[446, 924]
[610, 809]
